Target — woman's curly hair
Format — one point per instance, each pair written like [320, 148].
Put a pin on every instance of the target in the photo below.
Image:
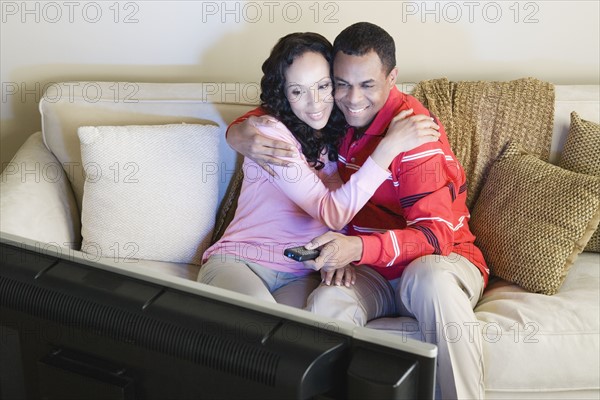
[274, 100]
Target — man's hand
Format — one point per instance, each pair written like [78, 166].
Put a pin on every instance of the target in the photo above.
[345, 276]
[337, 251]
[246, 139]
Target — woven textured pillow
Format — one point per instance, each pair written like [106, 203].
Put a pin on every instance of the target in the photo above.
[582, 154]
[532, 219]
[228, 205]
[150, 191]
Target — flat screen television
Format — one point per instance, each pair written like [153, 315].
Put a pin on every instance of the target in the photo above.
[75, 329]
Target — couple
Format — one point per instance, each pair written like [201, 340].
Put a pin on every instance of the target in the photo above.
[387, 172]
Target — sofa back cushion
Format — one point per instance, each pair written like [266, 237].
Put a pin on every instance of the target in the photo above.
[67, 106]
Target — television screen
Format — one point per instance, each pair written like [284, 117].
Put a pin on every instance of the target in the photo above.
[71, 328]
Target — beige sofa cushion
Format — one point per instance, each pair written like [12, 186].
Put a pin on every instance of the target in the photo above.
[36, 199]
[535, 344]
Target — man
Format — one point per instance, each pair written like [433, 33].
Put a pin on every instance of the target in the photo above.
[412, 239]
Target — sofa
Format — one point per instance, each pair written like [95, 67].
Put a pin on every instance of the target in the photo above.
[535, 345]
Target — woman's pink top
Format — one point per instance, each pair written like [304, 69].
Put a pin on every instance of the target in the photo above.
[301, 203]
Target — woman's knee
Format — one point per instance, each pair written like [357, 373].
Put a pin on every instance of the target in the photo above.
[207, 272]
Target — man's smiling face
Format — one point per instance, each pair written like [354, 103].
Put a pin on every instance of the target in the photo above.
[361, 87]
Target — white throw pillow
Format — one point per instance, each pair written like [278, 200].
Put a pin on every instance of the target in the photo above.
[151, 192]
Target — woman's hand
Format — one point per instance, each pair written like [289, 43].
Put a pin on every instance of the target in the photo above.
[405, 132]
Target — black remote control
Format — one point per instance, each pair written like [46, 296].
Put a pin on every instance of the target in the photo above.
[300, 253]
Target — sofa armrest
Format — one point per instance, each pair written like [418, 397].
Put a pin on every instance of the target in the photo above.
[36, 199]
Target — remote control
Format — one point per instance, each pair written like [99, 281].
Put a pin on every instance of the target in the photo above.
[300, 253]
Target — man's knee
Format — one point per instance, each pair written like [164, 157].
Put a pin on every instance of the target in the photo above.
[425, 267]
[428, 275]
[441, 280]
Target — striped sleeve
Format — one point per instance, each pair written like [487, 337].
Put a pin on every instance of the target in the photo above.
[426, 180]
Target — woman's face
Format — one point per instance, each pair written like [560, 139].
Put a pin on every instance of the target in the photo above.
[309, 89]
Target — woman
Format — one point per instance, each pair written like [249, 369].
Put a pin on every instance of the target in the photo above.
[307, 198]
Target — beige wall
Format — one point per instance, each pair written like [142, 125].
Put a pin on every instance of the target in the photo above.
[194, 41]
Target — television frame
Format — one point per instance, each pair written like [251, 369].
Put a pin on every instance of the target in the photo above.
[71, 327]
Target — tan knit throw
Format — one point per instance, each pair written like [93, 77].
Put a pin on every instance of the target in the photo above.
[482, 117]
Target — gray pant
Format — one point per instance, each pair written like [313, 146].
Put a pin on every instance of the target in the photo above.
[440, 292]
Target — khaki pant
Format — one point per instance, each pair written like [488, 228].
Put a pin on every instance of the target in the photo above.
[440, 293]
[247, 277]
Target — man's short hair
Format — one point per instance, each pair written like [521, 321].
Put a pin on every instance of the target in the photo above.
[360, 38]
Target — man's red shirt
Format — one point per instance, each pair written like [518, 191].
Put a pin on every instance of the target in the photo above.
[421, 208]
